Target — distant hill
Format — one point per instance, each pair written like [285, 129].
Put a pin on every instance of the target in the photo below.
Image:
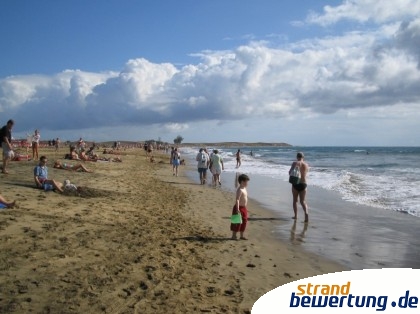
[237, 144]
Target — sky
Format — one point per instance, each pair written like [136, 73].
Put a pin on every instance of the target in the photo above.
[310, 73]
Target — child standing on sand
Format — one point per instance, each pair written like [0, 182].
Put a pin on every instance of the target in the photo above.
[240, 207]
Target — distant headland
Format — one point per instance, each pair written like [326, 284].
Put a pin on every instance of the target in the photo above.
[237, 144]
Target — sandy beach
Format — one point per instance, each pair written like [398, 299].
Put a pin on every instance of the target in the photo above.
[138, 240]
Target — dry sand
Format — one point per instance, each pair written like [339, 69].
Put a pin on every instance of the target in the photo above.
[138, 241]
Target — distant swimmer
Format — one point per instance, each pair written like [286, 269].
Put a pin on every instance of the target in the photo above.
[251, 153]
[297, 173]
[238, 158]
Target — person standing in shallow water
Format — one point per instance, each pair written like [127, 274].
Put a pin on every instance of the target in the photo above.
[238, 158]
[299, 189]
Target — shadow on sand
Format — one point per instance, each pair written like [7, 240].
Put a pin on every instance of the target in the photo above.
[23, 184]
[263, 219]
[181, 183]
[202, 239]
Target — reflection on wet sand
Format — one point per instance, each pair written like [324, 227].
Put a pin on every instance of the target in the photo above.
[298, 238]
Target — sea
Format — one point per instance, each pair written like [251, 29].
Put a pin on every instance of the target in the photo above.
[381, 177]
[364, 202]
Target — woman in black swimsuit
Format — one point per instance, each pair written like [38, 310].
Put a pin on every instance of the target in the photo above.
[238, 158]
[299, 190]
[300, 187]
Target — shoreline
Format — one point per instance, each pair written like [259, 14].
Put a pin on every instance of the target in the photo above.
[274, 262]
[355, 236]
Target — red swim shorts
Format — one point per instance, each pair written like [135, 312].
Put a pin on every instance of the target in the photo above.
[240, 227]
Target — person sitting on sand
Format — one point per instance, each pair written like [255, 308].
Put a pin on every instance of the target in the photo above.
[6, 203]
[91, 153]
[41, 176]
[240, 207]
[59, 165]
[73, 153]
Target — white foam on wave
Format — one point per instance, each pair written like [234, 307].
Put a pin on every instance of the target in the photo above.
[396, 192]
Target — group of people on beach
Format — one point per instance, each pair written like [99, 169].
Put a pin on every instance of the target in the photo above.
[40, 172]
[214, 162]
[297, 173]
[205, 161]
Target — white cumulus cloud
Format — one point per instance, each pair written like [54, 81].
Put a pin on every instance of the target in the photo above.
[367, 11]
[359, 69]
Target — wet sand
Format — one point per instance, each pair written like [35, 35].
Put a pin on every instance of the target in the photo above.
[138, 241]
[353, 235]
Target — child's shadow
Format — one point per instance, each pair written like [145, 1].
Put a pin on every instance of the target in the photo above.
[202, 239]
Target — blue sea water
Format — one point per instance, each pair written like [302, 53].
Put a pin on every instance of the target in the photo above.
[382, 177]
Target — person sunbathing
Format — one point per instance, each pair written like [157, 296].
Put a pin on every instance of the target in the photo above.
[91, 154]
[86, 157]
[59, 165]
[111, 152]
[116, 159]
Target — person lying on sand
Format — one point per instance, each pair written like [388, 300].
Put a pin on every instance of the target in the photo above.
[91, 153]
[59, 165]
[6, 203]
[111, 152]
[20, 157]
[116, 159]
[85, 156]
[41, 177]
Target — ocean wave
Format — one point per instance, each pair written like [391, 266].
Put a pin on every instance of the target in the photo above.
[380, 185]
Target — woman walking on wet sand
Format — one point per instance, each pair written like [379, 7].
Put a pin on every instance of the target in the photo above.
[216, 166]
[297, 173]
